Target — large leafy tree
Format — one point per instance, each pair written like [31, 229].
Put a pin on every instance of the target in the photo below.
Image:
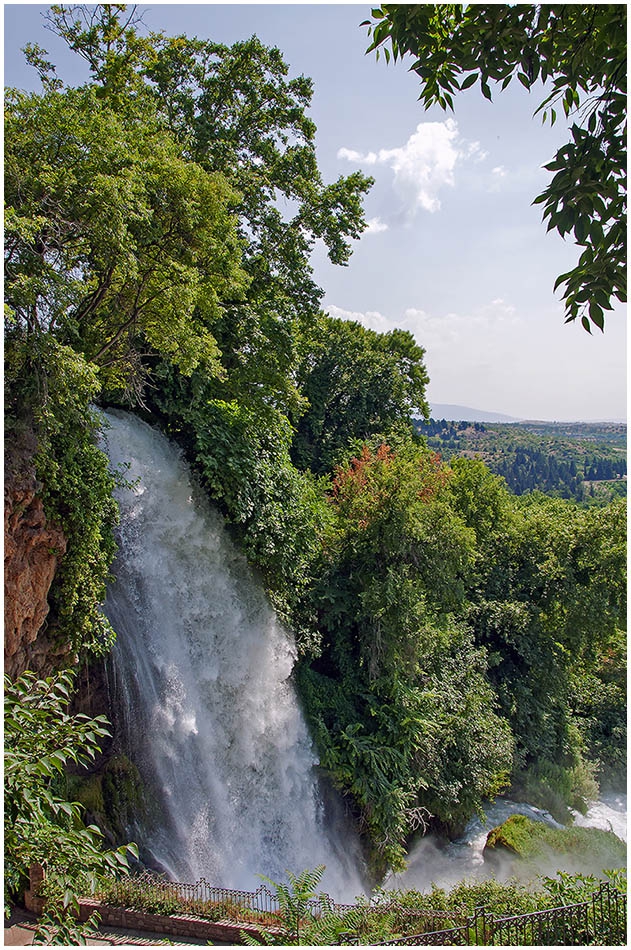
[358, 383]
[398, 699]
[548, 602]
[580, 52]
[233, 110]
[115, 243]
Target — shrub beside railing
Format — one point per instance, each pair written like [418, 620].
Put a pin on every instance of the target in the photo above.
[599, 920]
[156, 895]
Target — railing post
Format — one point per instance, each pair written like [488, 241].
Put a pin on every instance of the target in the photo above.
[483, 926]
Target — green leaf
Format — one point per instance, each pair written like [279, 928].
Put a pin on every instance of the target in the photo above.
[469, 81]
[561, 279]
[596, 315]
[581, 229]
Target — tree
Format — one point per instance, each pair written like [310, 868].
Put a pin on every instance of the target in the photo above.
[548, 604]
[582, 51]
[358, 383]
[233, 111]
[40, 826]
[399, 702]
[115, 243]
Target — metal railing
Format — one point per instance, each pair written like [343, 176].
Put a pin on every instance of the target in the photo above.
[152, 892]
[601, 920]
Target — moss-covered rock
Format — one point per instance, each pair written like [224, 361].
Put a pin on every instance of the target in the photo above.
[537, 845]
[113, 797]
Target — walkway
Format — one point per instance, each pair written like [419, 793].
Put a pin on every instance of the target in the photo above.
[19, 931]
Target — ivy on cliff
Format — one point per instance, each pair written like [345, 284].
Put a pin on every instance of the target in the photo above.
[49, 390]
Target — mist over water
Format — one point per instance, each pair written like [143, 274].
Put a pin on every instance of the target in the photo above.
[203, 674]
[433, 862]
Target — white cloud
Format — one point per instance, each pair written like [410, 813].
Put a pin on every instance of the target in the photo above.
[424, 165]
[441, 331]
[475, 151]
[352, 156]
[371, 319]
[375, 226]
[500, 171]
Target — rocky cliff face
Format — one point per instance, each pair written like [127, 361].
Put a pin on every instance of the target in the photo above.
[32, 550]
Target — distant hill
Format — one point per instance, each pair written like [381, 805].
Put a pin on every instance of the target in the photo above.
[465, 414]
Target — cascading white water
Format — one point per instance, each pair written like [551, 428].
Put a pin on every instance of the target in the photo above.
[203, 672]
[432, 862]
[609, 813]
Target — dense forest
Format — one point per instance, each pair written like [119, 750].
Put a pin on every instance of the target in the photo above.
[455, 638]
[584, 461]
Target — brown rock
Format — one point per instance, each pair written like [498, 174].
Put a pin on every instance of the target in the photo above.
[32, 551]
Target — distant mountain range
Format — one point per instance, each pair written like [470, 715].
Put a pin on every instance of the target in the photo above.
[451, 413]
[466, 414]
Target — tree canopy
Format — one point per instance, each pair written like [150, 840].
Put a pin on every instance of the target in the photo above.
[233, 112]
[114, 242]
[579, 53]
[358, 383]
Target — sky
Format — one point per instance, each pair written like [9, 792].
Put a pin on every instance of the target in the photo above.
[454, 251]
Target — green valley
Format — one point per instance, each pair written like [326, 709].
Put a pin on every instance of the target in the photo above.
[582, 460]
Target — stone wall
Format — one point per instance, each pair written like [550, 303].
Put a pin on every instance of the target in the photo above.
[178, 925]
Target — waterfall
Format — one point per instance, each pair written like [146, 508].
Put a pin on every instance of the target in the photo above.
[203, 669]
[206, 703]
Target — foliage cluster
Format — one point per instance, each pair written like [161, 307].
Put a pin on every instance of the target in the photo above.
[40, 825]
[49, 388]
[437, 584]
